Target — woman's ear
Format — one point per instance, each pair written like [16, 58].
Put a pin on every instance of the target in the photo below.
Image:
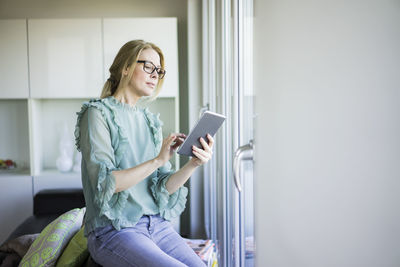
[125, 71]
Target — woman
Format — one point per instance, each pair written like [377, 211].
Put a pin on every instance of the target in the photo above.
[131, 192]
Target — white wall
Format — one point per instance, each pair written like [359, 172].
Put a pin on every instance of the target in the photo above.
[327, 185]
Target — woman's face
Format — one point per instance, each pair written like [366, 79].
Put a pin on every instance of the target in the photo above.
[143, 83]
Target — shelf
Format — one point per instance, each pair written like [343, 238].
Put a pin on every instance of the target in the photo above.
[48, 119]
[15, 173]
[14, 132]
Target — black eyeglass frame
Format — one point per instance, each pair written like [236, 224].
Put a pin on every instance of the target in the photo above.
[160, 75]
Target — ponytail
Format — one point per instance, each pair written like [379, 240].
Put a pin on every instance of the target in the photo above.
[109, 88]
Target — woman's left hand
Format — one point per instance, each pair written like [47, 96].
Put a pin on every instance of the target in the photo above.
[205, 154]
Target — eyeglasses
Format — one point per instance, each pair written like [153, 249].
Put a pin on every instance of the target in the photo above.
[149, 68]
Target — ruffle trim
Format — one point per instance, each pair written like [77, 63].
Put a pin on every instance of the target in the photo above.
[102, 104]
[111, 204]
[156, 127]
[170, 206]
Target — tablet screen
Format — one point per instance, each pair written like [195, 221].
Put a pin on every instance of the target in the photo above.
[209, 123]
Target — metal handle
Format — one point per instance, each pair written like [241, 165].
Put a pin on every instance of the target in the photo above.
[204, 109]
[242, 153]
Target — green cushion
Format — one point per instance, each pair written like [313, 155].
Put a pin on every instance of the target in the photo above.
[49, 245]
[76, 252]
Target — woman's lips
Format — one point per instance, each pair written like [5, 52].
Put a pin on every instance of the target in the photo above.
[152, 85]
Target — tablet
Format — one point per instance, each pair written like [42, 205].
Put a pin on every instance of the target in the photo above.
[209, 123]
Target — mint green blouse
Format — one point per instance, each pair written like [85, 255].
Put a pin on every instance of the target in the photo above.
[114, 136]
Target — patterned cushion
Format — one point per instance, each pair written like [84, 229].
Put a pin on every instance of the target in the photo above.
[76, 252]
[49, 245]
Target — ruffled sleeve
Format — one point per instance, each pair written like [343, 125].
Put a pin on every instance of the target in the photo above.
[170, 206]
[173, 205]
[93, 139]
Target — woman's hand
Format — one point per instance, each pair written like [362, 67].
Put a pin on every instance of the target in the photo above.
[202, 155]
[169, 146]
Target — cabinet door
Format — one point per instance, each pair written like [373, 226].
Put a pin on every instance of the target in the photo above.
[16, 202]
[160, 31]
[13, 59]
[65, 58]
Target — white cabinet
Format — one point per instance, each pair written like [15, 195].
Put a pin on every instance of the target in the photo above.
[13, 59]
[160, 31]
[65, 58]
[16, 202]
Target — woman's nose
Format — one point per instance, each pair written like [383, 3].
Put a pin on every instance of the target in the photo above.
[154, 75]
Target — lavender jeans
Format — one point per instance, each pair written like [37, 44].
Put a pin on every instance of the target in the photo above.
[151, 242]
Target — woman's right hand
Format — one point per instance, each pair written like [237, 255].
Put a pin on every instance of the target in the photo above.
[168, 147]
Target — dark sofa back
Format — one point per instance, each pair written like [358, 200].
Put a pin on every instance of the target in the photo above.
[47, 206]
[57, 201]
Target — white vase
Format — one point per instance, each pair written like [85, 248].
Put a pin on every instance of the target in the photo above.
[64, 162]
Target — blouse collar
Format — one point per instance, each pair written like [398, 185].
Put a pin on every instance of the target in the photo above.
[125, 106]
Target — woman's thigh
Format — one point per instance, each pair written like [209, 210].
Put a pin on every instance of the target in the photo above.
[128, 247]
[175, 246]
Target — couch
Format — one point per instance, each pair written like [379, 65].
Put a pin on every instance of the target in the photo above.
[48, 205]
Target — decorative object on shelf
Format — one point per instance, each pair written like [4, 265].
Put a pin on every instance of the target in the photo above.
[64, 161]
[7, 164]
[77, 164]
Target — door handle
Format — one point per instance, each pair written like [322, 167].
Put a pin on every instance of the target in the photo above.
[204, 109]
[242, 153]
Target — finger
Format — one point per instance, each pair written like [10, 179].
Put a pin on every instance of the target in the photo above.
[202, 152]
[205, 145]
[172, 135]
[199, 156]
[178, 142]
[210, 140]
[170, 140]
[182, 135]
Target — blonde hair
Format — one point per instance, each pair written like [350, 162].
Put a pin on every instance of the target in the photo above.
[127, 56]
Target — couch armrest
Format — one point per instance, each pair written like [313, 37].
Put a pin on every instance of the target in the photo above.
[32, 225]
